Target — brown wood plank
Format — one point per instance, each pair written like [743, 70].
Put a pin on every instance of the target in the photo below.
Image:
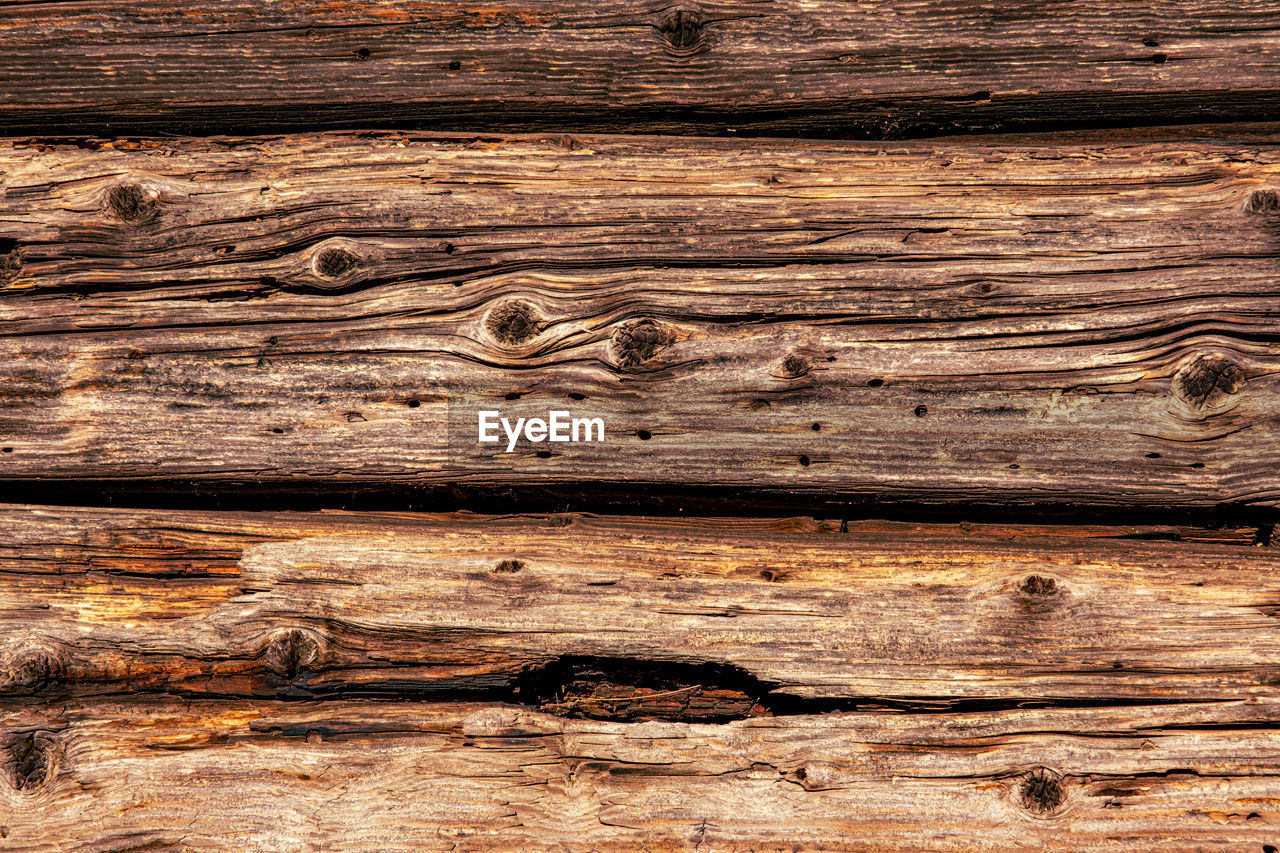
[1084, 324]
[738, 618]
[772, 67]
[270, 776]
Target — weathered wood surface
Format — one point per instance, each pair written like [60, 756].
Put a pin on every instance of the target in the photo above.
[773, 67]
[270, 776]
[1021, 324]
[777, 617]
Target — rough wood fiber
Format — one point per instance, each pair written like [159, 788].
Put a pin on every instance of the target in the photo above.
[916, 616]
[269, 776]
[821, 68]
[1083, 324]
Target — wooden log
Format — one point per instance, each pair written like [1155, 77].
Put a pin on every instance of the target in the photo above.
[628, 618]
[772, 67]
[271, 776]
[1092, 325]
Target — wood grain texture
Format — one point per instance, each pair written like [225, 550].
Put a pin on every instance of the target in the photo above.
[270, 776]
[1092, 325]
[795, 611]
[773, 67]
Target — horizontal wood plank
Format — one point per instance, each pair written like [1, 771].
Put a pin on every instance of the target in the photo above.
[1093, 325]
[773, 67]
[270, 776]
[738, 618]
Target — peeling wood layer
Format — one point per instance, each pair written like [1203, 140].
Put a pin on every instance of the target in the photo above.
[1088, 325]
[771, 67]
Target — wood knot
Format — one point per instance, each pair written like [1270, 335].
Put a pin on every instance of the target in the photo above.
[1041, 791]
[1206, 379]
[33, 761]
[10, 260]
[683, 28]
[816, 776]
[508, 567]
[1263, 201]
[292, 652]
[29, 671]
[335, 262]
[132, 203]
[794, 366]
[636, 342]
[513, 322]
[1038, 586]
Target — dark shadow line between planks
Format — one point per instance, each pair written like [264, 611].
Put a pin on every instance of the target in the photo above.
[608, 498]
[898, 118]
[621, 689]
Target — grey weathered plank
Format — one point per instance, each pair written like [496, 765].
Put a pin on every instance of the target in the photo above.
[753, 66]
[1074, 323]
[260, 605]
[270, 776]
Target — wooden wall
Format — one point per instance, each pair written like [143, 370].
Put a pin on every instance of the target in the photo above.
[938, 348]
